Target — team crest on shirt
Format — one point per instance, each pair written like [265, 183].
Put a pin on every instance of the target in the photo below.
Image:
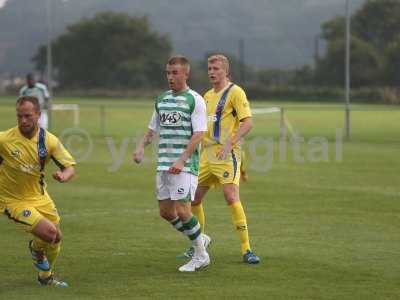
[26, 213]
[226, 174]
[16, 153]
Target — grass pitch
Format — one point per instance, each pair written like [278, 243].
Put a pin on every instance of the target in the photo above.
[324, 217]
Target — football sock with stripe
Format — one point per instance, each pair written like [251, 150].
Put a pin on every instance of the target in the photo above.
[239, 220]
[177, 224]
[193, 232]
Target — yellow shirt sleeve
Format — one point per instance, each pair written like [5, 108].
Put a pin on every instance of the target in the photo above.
[241, 104]
[60, 156]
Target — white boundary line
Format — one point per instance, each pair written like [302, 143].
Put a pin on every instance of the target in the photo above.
[257, 111]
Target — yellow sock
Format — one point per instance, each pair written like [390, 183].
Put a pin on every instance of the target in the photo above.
[239, 220]
[51, 250]
[38, 244]
[198, 212]
[45, 274]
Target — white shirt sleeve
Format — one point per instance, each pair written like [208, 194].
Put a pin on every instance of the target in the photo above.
[199, 115]
[46, 92]
[22, 90]
[43, 89]
[154, 122]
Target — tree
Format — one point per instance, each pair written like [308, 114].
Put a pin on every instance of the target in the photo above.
[375, 26]
[333, 29]
[392, 67]
[110, 50]
[366, 64]
[378, 22]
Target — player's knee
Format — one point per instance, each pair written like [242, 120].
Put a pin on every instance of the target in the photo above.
[231, 193]
[45, 230]
[184, 216]
[50, 234]
[58, 236]
[230, 197]
[167, 215]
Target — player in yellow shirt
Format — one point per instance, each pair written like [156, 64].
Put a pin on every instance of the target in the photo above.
[229, 120]
[24, 152]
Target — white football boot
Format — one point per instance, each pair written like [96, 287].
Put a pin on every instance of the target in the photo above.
[196, 263]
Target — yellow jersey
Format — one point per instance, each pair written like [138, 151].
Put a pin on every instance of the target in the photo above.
[21, 174]
[225, 110]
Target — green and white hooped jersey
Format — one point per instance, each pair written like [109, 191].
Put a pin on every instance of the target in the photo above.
[39, 90]
[175, 118]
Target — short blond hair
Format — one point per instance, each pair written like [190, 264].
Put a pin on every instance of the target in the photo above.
[222, 58]
[179, 60]
[30, 99]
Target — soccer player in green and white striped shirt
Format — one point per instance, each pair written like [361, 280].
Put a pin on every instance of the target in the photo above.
[39, 91]
[180, 119]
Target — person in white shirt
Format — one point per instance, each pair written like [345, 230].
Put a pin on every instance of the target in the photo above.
[39, 91]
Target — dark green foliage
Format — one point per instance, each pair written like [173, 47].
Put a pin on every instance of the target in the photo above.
[378, 22]
[111, 50]
[374, 58]
[392, 67]
[366, 64]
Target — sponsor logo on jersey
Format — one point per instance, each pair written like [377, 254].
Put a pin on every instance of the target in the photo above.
[181, 191]
[28, 168]
[212, 118]
[173, 118]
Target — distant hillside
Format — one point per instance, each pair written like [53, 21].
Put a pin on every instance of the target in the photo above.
[277, 33]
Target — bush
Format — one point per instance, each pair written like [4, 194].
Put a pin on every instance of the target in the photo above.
[313, 93]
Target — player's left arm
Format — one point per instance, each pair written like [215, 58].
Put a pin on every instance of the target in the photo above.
[63, 159]
[246, 125]
[199, 125]
[65, 174]
[46, 95]
[242, 108]
[244, 128]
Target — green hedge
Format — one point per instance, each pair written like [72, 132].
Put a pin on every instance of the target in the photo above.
[295, 93]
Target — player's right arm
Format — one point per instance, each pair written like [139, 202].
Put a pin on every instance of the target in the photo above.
[22, 90]
[138, 155]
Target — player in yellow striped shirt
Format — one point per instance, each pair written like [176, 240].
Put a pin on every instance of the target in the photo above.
[229, 120]
[24, 152]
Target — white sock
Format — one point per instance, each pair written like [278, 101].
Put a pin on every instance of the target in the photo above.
[198, 245]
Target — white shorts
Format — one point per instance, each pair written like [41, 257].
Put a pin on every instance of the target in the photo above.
[44, 119]
[180, 186]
